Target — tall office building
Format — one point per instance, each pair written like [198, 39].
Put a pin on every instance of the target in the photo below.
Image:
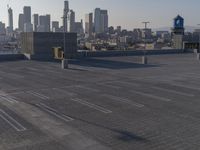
[10, 20]
[97, 20]
[71, 21]
[35, 22]
[48, 23]
[2, 28]
[89, 24]
[21, 22]
[44, 23]
[104, 21]
[55, 26]
[27, 14]
[65, 15]
[28, 27]
[100, 20]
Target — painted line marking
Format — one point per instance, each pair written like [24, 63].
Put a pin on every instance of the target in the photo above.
[184, 86]
[11, 121]
[173, 91]
[87, 88]
[54, 112]
[66, 92]
[8, 99]
[127, 83]
[151, 96]
[124, 100]
[38, 95]
[91, 105]
[108, 85]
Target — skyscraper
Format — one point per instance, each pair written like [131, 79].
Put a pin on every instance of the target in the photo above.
[104, 21]
[71, 21]
[100, 20]
[44, 23]
[21, 22]
[48, 23]
[55, 26]
[28, 27]
[35, 22]
[27, 14]
[97, 20]
[65, 15]
[88, 24]
[2, 28]
[10, 20]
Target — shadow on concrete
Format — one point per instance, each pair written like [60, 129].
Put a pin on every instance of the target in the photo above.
[109, 64]
[123, 135]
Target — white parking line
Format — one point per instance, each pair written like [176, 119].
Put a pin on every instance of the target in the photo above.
[65, 91]
[87, 88]
[185, 86]
[94, 106]
[54, 112]
[124, 100]
[11, 121]
[38, 95]
[8, 99]
[151, 96]
[110, 86]
[174, 91]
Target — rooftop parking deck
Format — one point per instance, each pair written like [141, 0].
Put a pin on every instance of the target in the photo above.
[101, 104]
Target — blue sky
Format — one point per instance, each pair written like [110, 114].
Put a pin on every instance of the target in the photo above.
[127, 13]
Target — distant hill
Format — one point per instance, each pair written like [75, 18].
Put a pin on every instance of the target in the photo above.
[187, 28]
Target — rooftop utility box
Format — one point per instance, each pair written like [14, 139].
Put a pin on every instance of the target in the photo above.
[38, 45]
[58, 53]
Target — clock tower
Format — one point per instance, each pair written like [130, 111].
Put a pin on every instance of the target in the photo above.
[178, 32]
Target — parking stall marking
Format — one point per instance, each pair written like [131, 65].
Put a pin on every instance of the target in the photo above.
[54, 112]
[91, 105]
[8, 99]
[124, 100]
[38, 95]
[173, 91]
[152, 96]
[11, 121]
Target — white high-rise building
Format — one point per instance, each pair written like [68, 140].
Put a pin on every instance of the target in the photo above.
[100, 20]
[10, 20]
[89, 24]
[65, 15]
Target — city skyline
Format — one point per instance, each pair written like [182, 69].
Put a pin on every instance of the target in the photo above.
[128, 17]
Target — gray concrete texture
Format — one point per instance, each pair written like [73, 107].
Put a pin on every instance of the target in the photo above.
[112, 103]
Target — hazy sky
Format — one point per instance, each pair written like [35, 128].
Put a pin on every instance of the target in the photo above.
[127, 13]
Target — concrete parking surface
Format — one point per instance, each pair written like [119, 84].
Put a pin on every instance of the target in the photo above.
[112, 103]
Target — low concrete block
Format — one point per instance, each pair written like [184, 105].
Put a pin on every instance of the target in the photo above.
[198, 56]
[144, 60]
[64, 64]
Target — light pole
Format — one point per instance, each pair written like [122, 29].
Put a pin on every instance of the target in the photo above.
[199, 39]
[64, 61]
[144, 59]
[198, 55]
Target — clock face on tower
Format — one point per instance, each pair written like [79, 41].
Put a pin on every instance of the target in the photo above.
[178, 22]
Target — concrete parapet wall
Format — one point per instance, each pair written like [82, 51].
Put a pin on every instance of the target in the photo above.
[128, 53]
[11, 57]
